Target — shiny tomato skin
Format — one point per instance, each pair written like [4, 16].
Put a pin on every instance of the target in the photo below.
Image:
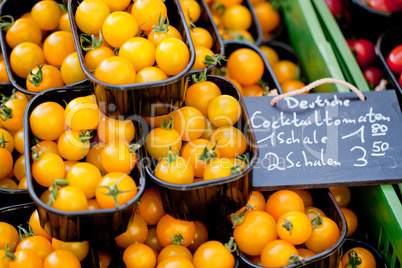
[373, 75]
[365, 52]
[394, 60]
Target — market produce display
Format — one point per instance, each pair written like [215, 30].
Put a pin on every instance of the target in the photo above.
[128, 130]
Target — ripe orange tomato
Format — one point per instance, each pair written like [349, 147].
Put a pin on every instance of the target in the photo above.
[84, 176]
[72, 146]
[175, 261]
[57, 46]
[93, 156]
[285, 70]
[139, 255]
[200, 55]
[6, 137]
[268, 18]
[324, 236]
[163, 31]
[71, 71]
[150, 208]
[118, 27]
[26, 258]
[139, 51]
[23, 30]
[82, 113]
[118, 156]
[294, 227]
[117, 5]
[199, 153]
[253, 91]
[174, 250]
[148, 12]
[230, 141]
[13, 114]
[223, 167]
[172, 55]
[283, 201]
[277, 254]
[292, 85]
[24, 57]
[342, 195]
[116, 70]
[120, 184]
[70, 198]
[47, 121]
[306, 196]
[90, 15]
[150, 74]
[246, 66]
[175, 169]
[62, 259]
[313, 212]
[36, 227]
[95, 56]
[351, 220]
[270, 54]
[46, 14]
[199, 95]
[152, 240]
[111, 130]
[213, 254]
[8, 234]
[170, 230]
[260, 226]
[44, 77]
[48, 168]
[237, 17]
[79, 249]
[201, 37]
[367, 259]
[201, 236]
[188, 122]
[39, 244]
[224, 110]
[137, 232]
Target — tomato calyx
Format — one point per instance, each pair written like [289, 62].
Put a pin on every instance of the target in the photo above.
[231, 245]
[4, 24]
[243, 158]
[92, 44]
[208, 154]
[317, 221]
[7, 254]
[113, 191]
[264, 86]
[354, 259]
[26, 233]
[54, 189]
[218, 8]
[239, 219]
[221, 71]
[4, 98]
[235, 169]
[63, 8]
[215, 59]
[85, 136]
[5, 112]
[133, 148]
[177, 239]
[167, 123]
[287, 225]
[35, 154]
[3, 141]
[37, 77]
[199, 77]
[295, 258]
[139, 29]
[162, 27]
[171, 157]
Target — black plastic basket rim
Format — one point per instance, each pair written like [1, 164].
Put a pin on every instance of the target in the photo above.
[220, 181]
[373, 11]
[383, 58]
[318, 256]
[13, 191]
[10, 72]
[218, 36]
[18, 206]
[82, 213]
[135, 86]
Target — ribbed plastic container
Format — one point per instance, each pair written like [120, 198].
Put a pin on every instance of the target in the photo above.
[205, 199]
[205, 21]
[17, 8]
[140, 98]
[99, 224]
[19, 215]
[385, 43]
[268, 75]
[324, 200]
[351, 243]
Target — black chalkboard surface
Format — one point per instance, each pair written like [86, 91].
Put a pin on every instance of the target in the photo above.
[323, 140]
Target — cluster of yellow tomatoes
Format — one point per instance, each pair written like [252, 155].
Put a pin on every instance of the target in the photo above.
[199, 139]
[286, 228]
[44, 64]
[12, 160]
[34, 248]
[102, 180]
[148, 47]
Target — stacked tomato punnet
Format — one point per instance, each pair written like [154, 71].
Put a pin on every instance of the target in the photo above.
[286, 228]
[129, 44]
[42, 48]
[12, 159]
[185, 145]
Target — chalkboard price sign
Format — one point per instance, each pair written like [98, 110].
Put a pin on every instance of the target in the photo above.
[331, 139]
